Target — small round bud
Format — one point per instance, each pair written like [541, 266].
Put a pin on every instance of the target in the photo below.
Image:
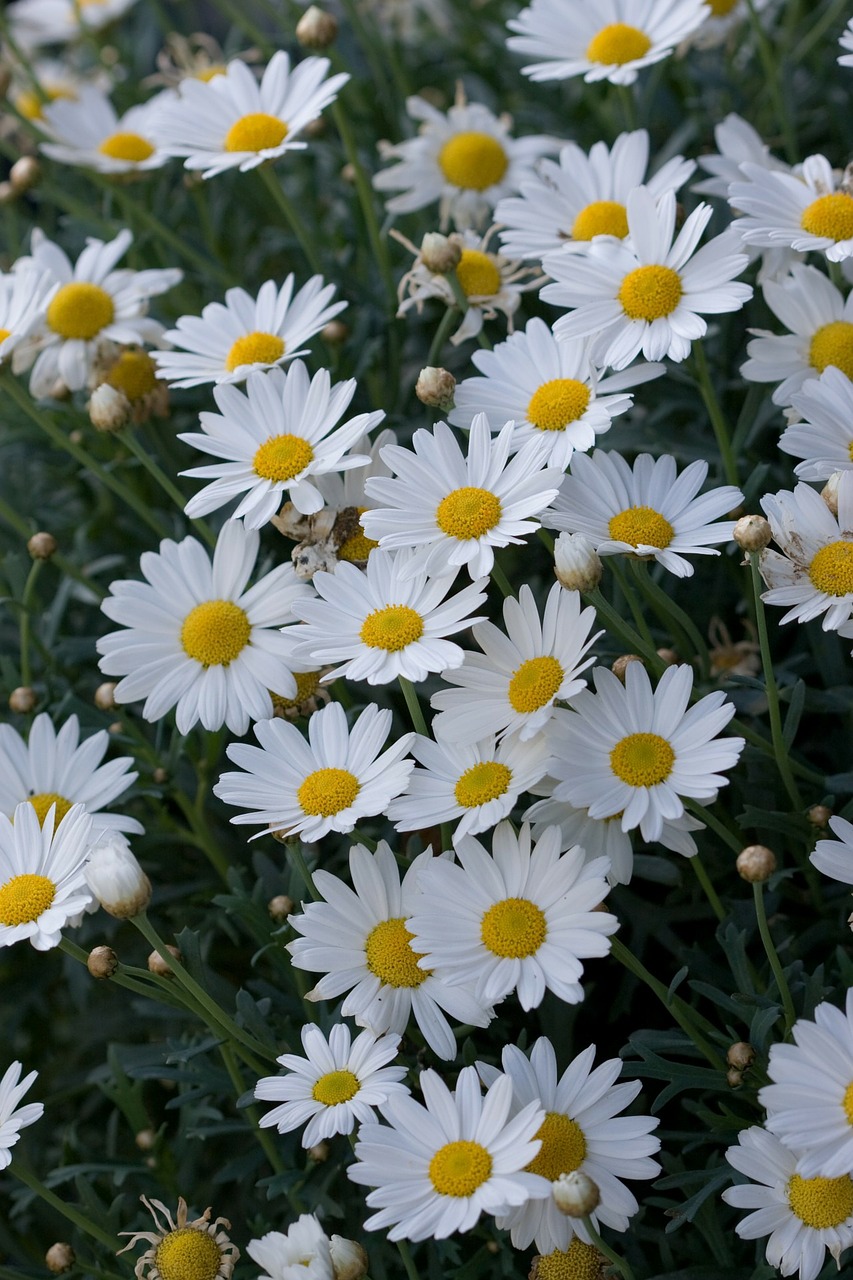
[575, 1194]
[60, 1257]
[577, 564]
[349, 1258]
[829, 492]
[280, 907]
[734, 1078]
[156, 963]
[819, 815]
[24, 174]
[440, 254]
[41, 546]
[669, 656]
[116, 878]
[740, 1055]
[109, 408]
[315, 128]
[22, 700]
[76, 436]
[160, 776]
[335, 331]
[7, 193]
[102, 962]
[756, 863]
[319, 1153]
[435, 387]
[621, 664]
[752, 533]
[348, 173]
[115, 727]
[104, 698]
[146, 1139]
[316, 29]
[492, 1246]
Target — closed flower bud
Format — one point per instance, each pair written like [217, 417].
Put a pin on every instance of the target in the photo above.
[752, 533]
[577, 564]
[439, 253]
[319, 1153]
[829, 492]
[280, 907]
[621, 664]
[669, 656]
[41, 546]
[102, 962]
[575, 1194]
[740, 1055]
[316, 29]
[734, 1078]
[436, 387]
[24, 174]
[335, 331]
[116, 878]
[756, 863]
[156, 963]
[349, 1258]
[109, 408]
[146, 1139]
[22, 700]
[60, 1257]
[105, 696]
[819, 815]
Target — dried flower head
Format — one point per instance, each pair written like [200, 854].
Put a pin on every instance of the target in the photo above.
[181, 1250]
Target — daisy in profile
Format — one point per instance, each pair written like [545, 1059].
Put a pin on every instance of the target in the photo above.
[38, 22]
[834, 858]
[456, 507]
[12, 1117]
[809, 211]
[737, 142]
[512, 686]
[335, 1086]
[233, 121]
[358, 939]
[814, 573]
[465, 158]
[43, 877]
[611, 40]
[802, 1216]
[88, 131]
[824, 437]
[581, 1132]
[845, 40]
[636, 751]
[229, 340]
[198, 638]
[551, 390]
[568, 201]
[649, 293]
[520, 920]
[461, 1153]
[201, 1247]
[325, 784]
[303, 1253]
[24, 298]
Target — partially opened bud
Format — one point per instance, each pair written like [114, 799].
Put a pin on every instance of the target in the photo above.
[109, 408]
[575, 1194]
[116, 878]
[440, 253]
[349, 1258]
[436, 387]
[577, 564]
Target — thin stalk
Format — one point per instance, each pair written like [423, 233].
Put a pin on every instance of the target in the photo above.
[773, 957]
[618, 627]
[629, 106]
[781, 102]
[715, 412]
[710, 819]
[441, 335]
[130, 441]
[27, 602]
[290, 215]
[414, 707]
[780, 750]
[365, 196]
[501, 581]
[666, 607]
[297, 858]
[682, 1012]
[408, 1260]
[633, 604]
[709, 890]
[79, 1219]
[619, 1263]
[205, 841]
[133, 208]
[251, 1113]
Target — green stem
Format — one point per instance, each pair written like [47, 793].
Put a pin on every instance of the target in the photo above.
[618, 627]
[130, 441]
[781, 101]
[629, 106]
[290, 215]
[27, 602]
[773, 957]
[365, 196]
[501, 580]
[408, 1260]
[619, 1263]
[668, 610]
[710, 819]
[441, 335]
[134, 208]
[263, 1136]
[705, 881]
[780, 750]
[715, 413]
[414, 707]
[68, 1211]
[633, 603]
[297, 858]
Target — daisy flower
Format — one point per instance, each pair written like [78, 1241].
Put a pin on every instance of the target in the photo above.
[334, 1086]
[464, 158]
[520, 920]
[383, 622]
[358, 939]
[579, 1262]
[24, 298]
[612, 40]
[809, 210]
[549, 389]
[644, 510]
[55, 768]
[814, 574]
[304, 1253]
[88, 131]
[803, 1216]
[456, 507]
[197, 638]
[845, 40]
[835, 857]
[512, 686]
[177, 1246]
[326, 784]
[283, 431]
[724, 16]
[647, 293]
[233, 121]
[824, 439]
[633, 750]
[43, 876]
[581, 1132]
[436, 1167]
[93, 303]
[738, 143]
[12, 1117]
[568, 201]
[228, 341]
[56, 80]
[38, 22]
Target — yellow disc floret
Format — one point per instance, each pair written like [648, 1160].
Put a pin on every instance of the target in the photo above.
[30, 104]
[389, 955]
[649, 293]
[642, 759]
[831, 570]
[335, 1087]
[563, 1147]
[255, 348]
[821, 1202]
[393, 628]
[601, 218]
[848, 1103]
[459, 1168]
[473, 160]
[126, 146]
[641, 527]
[282, 457]
[478, 274]
[515, 927]
[534, 684]
[4, 334]
[833, 344]
[215, 633]
[80, 310]
[481, 783]
[468, 513]
[618, 43]
[134, 373]
[326, 792]
[188, 1254]
[24, 898]
[257, 131]
[719, 8]
[307, 684]
[830, 217]
[557, 403]
[579, 1262]
[358, 547]
[42, 802]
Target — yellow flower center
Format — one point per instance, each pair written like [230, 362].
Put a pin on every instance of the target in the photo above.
[255, 348]
[641, 526]
[515, 927]
[831, 570]
[206, 74]
[126, 146]
[833, 344]
[459, 1168]
[557, 403]
[134, 373]
[188, 1254]
[618, 43]
[848, 1103]
[358, 547]
[719, 8]
[307, 684]
[474, 160]
[468, 513]
[601, 218]
[478, 274]
[389, 955]
[534, 684]
[282, 457]
[393, 628]
[328, 791]
[579, 1262]
[830, 217]
[30, 104]
[42, 802]
[215, 633]
[257, 131]
[821, 1202]
[80, 310]
[481, 783]
[642, 759]
[648, 293]
[24, 898]
[563, 1147]
[335, 1087]
[4, 334]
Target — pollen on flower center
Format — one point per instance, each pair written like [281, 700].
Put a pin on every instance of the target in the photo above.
[478, 274]
[282, 457]
[481, 783]
[848, 1103]
[42, 801]
[618, 43]
[473, 160]
[642, 759]
[579, 1262]
[393, 628]
[80, 310]
[719, 8]
[641, 526]
[649, 293]
[257, 131]
[326, 792]
[515, 927]
[24, 898]
[833, 344]
[830, 217]
[307, 684]
[831, 569]
[389, 955]
[601, 218]
[468, 513]
[534, 684]
[134, 373]
[335, 1087]
[563, 1147]
[4, 334]
[215, 633]
[821, 1202]
[459, 1168]
[126, 146]
[359, 546]
[557, 403]
[255, 348]
[188, 1254]
[30, 104]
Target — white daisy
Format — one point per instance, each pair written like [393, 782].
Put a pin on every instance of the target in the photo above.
[803, 1216]
[303, 1253]
[581, 1132]
[724, 17]
[814, 575]
[273, 440]
[835, 857]
[56, 80]
[520, 920]
[737, 142]
[197, 638]
[568, 201]
[326, 784]
[88, 131]
[809, 210]
[824, 437]
[12, 1117]
[633, 750]
[334, 1086]
[234, 121]
[55, 768]
[437, 1167]
[611, 40]
[357, 938]
[646, 294]
[644, 510]
[228, 341]
[464, 158]
[512, 686]
[42, 874]
[845, 40]
[549, 389]
[456, 508]
[38, 22]
[24, 298]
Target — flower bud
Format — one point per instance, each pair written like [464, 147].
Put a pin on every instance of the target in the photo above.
[22, 700]
[109, 408]
[102, 962]
[146, 1139]
[24, 174]
[349, 1258]
[439, 253]
[435, 387]
[740, 1055]
[575, 1194]
[819, 815]
[577, 564]
[829, 492]
[319, 1153]
[116, 878]
[734, 1078]
[60, 1257]
[41, 546]
[156, 963]
[621, 664]
[280, 907]
[104, 698]
[752, 533]
[669, 656]
[316, 29]
[756, 863]
[335, 331]
[160, 776]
